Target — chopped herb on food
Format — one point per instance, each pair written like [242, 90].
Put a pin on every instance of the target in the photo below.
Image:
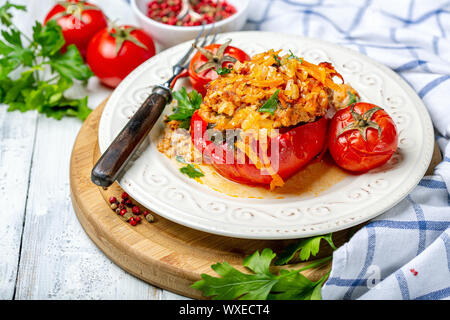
[180, 159]
[277, 59]
[293, 56]
[223, 71]
[353, 98]
[187, 104]
[271, 104]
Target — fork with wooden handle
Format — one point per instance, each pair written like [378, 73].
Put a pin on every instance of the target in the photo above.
[111, 164]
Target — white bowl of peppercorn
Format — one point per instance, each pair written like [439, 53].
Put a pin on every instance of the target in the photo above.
[171, 22]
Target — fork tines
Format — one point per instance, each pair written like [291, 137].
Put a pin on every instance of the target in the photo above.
[184, 61]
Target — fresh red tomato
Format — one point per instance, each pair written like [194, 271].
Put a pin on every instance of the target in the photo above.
[79, 21]
[113, 53]
[362, 137]
[297, 147]
[205, 63]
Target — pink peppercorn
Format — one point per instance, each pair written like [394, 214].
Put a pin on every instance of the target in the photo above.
[132, 221]
[136, 210]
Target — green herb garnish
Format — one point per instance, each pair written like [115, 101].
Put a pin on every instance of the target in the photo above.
[277, 59]
[293, 56]
[305, 248]
[353, 98]
[32, 89]
[223, 71]
[190, 170]
[187, 104]
[262, 283]
[271, 104]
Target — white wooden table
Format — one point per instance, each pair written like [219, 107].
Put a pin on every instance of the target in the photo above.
[44, 252]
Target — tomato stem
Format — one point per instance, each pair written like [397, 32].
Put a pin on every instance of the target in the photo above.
[362, 123]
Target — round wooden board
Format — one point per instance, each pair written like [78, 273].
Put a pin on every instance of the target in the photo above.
[163, 253]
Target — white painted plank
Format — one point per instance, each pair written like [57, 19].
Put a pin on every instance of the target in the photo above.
[16, 146]
[58, 260]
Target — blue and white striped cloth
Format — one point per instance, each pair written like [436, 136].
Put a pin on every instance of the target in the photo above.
[404, 253]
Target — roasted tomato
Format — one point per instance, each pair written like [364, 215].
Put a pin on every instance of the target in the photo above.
[210, 60]
[114, 52]
[362, 137]
[79, 21]
[297, 147]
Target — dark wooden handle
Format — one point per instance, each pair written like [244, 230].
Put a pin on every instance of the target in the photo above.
[109, 166]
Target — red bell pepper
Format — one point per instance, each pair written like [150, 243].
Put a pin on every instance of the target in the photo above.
[296, 147]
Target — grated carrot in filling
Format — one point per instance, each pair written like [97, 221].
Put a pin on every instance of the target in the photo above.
[232, 101]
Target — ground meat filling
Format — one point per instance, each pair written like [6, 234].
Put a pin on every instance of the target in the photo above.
[233, 101]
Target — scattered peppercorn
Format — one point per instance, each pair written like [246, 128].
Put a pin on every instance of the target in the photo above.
[131, 217]
[132, 221]
[136, 210]
[128, 203]
[150, 218]
[128, 216]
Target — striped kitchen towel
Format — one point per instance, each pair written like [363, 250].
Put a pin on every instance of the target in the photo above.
[404, 253]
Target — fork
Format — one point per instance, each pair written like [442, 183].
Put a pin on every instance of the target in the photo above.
[111, 164]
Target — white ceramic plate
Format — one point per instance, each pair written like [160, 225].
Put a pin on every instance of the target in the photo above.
[157, 184]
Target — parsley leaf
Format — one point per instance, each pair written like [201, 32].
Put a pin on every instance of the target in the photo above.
[261, 284]
[277, 59]
[305, 248]
[5, 15]
[186, 106]
[271, 104]
[223, 71]
[353, 98]
[70, 65]
[48, 37]
[191, 171]
[28, 90]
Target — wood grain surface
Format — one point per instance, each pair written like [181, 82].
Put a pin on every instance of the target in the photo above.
[162, 253]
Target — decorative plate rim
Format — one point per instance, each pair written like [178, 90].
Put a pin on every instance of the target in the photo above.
[133, 184]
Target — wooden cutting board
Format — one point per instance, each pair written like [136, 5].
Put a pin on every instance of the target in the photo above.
[163, 253]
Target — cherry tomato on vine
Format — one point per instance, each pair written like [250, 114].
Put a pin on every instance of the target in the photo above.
[209, 60]
[79, 20]
[114, 52]
[362, 137]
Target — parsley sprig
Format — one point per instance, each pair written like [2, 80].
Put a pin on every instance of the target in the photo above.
[262, 283]
[271, 104]
[36, 75]
[187, 104]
